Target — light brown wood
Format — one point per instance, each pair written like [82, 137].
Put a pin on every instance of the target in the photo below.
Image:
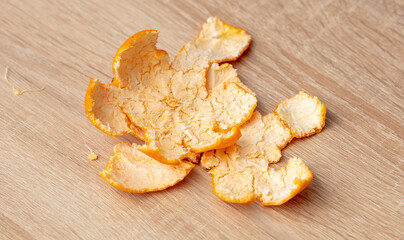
[348, 53]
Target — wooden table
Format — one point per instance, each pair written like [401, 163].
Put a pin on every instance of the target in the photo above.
[348, 53]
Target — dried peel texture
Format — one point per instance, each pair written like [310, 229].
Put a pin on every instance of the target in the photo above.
[304, 114]
[241, 173]
[180, 109]
[217, 42]
[133, 171]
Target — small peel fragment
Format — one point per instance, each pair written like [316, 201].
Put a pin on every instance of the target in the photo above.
[133, 171]
[91, 156]
[180, 109]
[304, 114]
[18, 91]
[275, 187]
[241, 173]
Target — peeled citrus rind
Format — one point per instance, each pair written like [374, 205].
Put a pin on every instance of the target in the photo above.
[241, 173]
[275, 187]
[180, 109]
[217, 42]
[304, 114]
[225, 186]
[271, 187]
[132, 171]
[99, 112]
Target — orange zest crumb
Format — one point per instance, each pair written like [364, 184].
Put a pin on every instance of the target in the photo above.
[91, 156]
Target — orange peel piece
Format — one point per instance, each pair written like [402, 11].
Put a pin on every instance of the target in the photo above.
[181, 109]
[217, 42]
[133, 171]
[304, 114]
[241, 173]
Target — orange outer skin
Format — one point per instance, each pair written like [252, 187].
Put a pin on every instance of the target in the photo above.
[155, 154]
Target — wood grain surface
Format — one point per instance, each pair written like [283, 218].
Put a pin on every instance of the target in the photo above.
[348, 53]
